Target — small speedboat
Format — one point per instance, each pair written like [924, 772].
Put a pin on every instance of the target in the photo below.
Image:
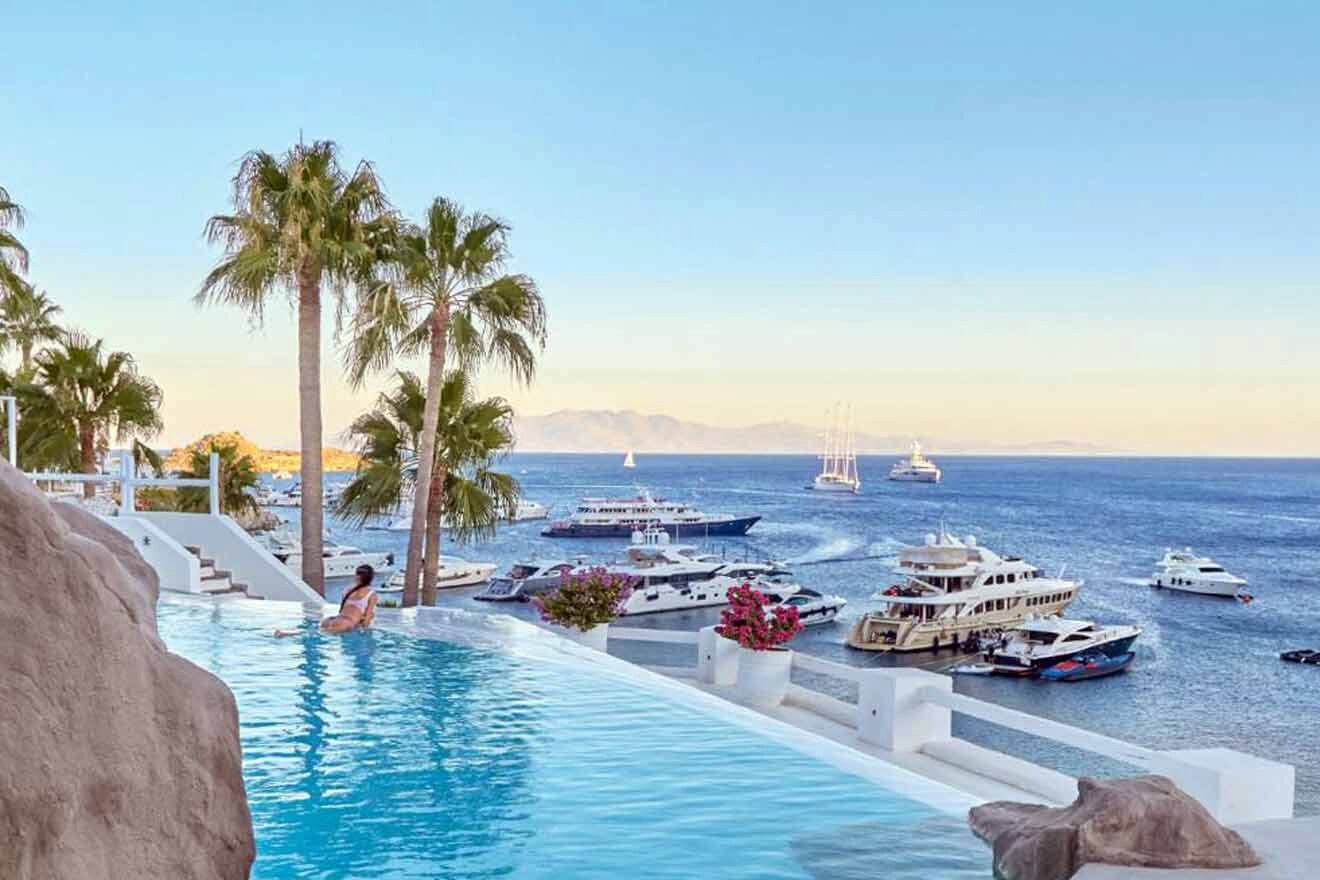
[1088, 666]
[1308, 656]
[973, 669]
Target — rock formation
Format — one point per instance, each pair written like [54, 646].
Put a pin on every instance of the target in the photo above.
[117, 759]
[1146, 821]
[265, 460]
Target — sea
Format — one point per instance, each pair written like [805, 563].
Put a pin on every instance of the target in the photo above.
[1207, 671]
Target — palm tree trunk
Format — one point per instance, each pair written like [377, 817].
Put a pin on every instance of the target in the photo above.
[431, 561]
[25, 358]
[87, 456]
[309, 423]
[426, 455]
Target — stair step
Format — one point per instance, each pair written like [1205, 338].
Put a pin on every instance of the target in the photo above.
[229, 591]
[193, 549]
[206, 563]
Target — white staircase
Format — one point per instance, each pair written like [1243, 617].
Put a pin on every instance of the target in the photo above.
[218, 581]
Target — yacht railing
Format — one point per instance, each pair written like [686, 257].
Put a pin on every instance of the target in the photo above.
[909, 712]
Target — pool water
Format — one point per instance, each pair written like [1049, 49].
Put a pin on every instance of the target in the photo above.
[388, 755]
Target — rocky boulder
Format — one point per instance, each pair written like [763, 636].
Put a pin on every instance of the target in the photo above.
[117, 758]
[1146, 821]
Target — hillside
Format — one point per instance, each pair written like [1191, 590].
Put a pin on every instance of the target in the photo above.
[268, 460]
[621, 430]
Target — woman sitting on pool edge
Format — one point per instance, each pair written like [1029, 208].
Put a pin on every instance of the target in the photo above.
[356, 610]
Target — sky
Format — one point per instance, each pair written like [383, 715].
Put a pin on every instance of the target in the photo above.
[999, 223]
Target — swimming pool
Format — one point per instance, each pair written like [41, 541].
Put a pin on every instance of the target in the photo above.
[390, 755]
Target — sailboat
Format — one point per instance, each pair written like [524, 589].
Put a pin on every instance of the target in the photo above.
[628, 460]
[838, 470]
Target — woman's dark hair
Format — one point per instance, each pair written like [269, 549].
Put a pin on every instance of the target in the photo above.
[364, 574]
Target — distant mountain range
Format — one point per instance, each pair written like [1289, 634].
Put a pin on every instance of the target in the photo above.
[577, 430]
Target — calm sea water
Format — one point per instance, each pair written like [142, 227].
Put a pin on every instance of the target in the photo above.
[1207, 671]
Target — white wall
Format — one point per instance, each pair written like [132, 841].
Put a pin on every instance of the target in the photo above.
[177, 569]
[236, 551]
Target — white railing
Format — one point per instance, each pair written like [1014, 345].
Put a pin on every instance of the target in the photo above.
[128, 481]
[910, 711]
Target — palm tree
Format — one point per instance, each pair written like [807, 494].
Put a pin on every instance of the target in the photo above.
[467, 493]
[13, 256]
[450, 291]
[80, 399]
[300, 222]
[238, 474]
[27, 319]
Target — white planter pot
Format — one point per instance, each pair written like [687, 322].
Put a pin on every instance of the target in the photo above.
[594, 638]
[763, 676]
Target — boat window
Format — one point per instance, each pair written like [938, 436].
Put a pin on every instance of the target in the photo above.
[1209, 569]
[1012, 578]
[999, 578]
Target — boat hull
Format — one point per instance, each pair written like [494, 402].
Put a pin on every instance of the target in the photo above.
[1011, 665]
[1221, 589]
[906, 477]
[1076, 671]
[713, 528]
[835, 487]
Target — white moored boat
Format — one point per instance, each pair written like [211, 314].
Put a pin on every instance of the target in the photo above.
[916, 468]
[453, 573]
[340, 560]
[838, 463]
[1041, 642]
[629, 461]
[1183, 570]
[956, 592]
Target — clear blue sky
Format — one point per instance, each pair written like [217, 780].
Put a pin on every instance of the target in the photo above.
[956, 214]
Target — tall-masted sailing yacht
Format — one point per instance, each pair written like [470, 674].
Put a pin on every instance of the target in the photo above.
[838, 468]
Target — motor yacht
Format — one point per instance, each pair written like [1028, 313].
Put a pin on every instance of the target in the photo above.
[838, 463]
[526, 579]
[270, 497]
[1183, 570]
[454, 573]
[620, 517]
[340, 560]
[1041, 642]
[955, 592]
[813, 607]
[916, 468]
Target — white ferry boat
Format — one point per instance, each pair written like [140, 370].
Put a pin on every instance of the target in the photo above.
[1041, 642]
[620, 517]
[955, 592]
[916, 468]
[1183, 570]
[838, 463]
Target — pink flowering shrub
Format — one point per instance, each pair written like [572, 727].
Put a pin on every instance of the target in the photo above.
[585, 600]
[746, 622]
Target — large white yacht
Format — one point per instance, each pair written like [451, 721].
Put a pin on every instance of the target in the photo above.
[838, 463]
[1185, 571]
[1041, 642]
[916, 468]
[620, 517]
[953, 592]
